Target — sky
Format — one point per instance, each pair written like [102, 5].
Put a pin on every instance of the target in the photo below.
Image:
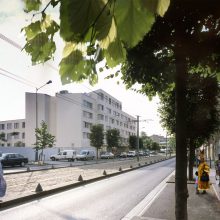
[18, 75]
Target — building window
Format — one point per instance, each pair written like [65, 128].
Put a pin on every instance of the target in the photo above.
[9, 137]
[87, 114]
[101, 96]
[112, 120]
[100, 117]
[16, 136]
[86, 135]
[23, 135]
[8, 144]
[100, 107]
[110, 101]
[87, 104]
[23, 124]
[16, 125]
[2, 127]
[106, 118]
[109, 111]
[87, 124]
[9, 126]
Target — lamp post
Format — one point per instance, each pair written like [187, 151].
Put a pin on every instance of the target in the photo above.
[37, 89]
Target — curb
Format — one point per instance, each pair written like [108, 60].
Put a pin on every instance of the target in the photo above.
[49, 192]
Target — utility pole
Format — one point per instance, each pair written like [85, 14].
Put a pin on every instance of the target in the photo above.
[36, 117]
[166, 144]
[138, 138]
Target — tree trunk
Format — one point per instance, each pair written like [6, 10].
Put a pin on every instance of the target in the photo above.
[97, 153]
[181, 192]
[191, 159]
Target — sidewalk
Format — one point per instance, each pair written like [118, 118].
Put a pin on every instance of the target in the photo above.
[202, 206]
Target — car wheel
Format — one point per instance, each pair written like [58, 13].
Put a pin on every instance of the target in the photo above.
[52, 158]
[22, 164]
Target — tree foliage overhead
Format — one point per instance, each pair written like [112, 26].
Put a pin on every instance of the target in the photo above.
[93, 31]
[203, 117]
[152, 63]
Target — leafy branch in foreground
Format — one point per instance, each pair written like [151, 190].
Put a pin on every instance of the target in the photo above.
[93, 31]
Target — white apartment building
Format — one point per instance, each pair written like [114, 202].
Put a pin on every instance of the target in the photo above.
[69, 117]
[13, 133]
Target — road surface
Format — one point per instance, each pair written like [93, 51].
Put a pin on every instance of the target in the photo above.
[109, 199]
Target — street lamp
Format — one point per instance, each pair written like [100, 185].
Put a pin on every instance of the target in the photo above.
[36, 152]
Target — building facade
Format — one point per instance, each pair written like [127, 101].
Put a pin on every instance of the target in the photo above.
[69, 117]
[12, 133]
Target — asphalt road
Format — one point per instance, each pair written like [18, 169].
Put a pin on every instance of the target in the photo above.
[109, 199]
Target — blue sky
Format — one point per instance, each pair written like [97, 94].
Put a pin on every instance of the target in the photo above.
[18, 63]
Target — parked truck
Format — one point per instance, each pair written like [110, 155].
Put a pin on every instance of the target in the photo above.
[86, 155]
[69, 155]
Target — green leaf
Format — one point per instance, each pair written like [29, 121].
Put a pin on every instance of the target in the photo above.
[40, 48]
[32, 30]
[75, 68]
[162, 7]
[115, 54]
[49, 26]
[133, 21]
[108, 35]
[78, 18]
[156, 6]
[32, 5]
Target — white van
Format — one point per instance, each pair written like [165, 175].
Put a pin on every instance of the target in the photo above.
[69, 155]
[86, 155]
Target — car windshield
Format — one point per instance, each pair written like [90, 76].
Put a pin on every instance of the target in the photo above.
[83, 152]
[4, 155]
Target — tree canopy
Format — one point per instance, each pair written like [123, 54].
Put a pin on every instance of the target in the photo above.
[97, 137]
[43, 138]
[112, 138]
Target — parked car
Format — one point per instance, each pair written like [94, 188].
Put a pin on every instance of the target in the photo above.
[123, 155]
[69, 155]
[86, 155]
[153, 153]
[141, 153]
[13, 159]
[146, 153]
[131, 154]
[107, 155]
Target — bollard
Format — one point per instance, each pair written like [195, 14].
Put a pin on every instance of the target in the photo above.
[80, 178]
[28, 169]
[131, 166]
[120, 169]
[71, 164]
[52, 166]
[39, 188]
[139, 164]
[104, 173]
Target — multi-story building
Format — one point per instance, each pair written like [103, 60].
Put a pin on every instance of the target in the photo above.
[12, 133]
[69, 117]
